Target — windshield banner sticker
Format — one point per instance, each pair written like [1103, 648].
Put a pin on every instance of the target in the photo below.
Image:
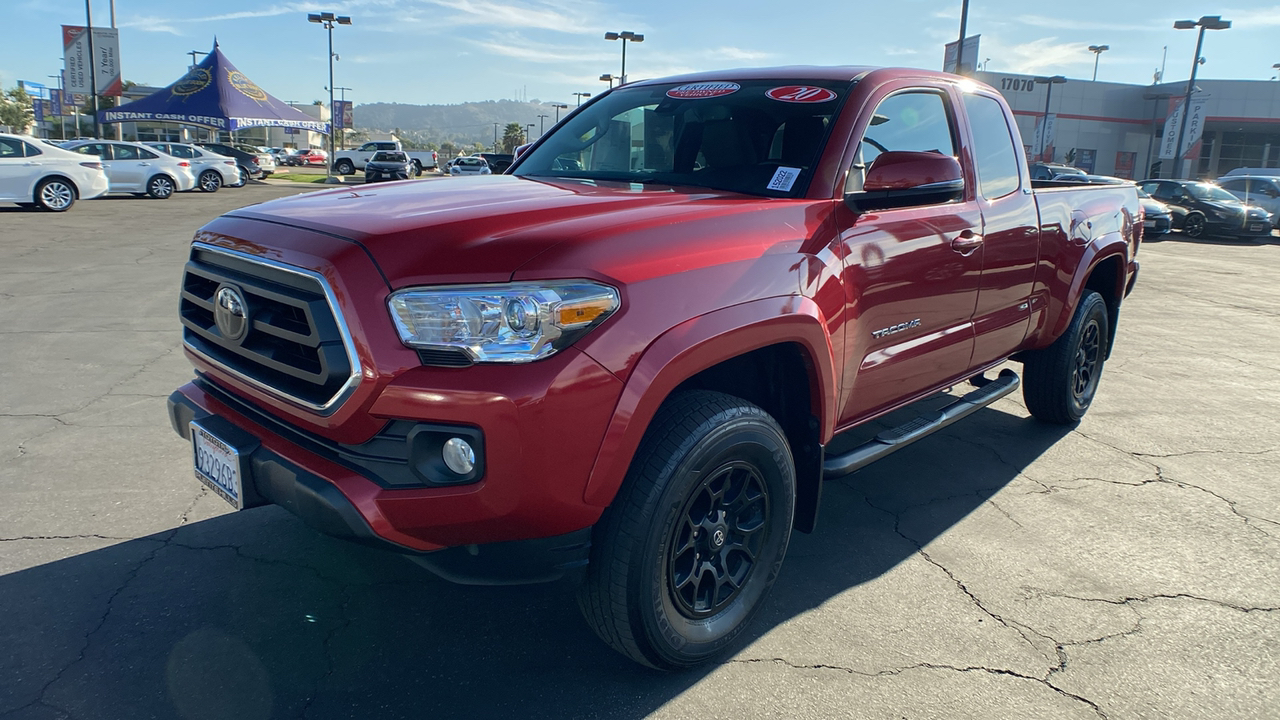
[801, 94]
[703, 90]
[784, 178]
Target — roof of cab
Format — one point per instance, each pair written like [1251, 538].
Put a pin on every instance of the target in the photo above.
[838, 73]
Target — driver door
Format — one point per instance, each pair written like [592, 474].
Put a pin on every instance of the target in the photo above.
[911, 289]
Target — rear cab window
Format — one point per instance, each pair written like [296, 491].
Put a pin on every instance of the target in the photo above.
[993, 154]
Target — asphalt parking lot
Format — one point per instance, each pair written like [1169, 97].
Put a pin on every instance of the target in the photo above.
[1126, 568]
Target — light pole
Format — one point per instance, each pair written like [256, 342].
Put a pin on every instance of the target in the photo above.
[559, 107]
[1208, 22]
[1151, 141]
[328, 20]
[193, 54]
[624, 37]
[1275, 67]
[1048, 82]
[1097, 51]
[528, 130]
[542, 119]
[964, 21]
[607, 78]
[580, 96]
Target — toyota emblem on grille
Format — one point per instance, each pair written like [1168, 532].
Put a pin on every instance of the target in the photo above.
[230, 313]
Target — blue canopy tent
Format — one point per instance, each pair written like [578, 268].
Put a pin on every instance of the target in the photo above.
[214, 94]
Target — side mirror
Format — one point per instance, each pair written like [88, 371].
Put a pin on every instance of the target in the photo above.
[520, 150]
[899, 178]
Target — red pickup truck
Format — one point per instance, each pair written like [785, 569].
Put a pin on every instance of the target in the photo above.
[624, 359]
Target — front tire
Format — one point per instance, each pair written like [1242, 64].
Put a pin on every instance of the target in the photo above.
[160, 187]
[55, 195]
[1060, 381]
[344, 167]
[416, 170]
[686, 554]
[1193, 225]
[210, 181]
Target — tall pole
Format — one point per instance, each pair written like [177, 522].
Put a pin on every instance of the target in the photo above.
[1044, 126]
[1096, 57]
[328, 169]
[495, 137]
[964, 21]
[1186, 107]
[623, 81]
[93, 69]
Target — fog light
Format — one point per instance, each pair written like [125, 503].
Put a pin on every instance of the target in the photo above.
[459, 456]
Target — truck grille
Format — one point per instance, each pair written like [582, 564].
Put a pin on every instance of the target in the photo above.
[295, 346]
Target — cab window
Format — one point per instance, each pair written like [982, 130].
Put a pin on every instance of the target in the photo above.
[32, 150]
[993, 153]
[126, 152]
[10, 148]
[915, 120]
[102, 150]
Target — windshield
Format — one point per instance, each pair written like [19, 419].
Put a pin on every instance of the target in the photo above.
[396, 157]
[1213, 193]
[755, 137]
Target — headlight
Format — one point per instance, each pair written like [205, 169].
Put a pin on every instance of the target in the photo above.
[511, 323]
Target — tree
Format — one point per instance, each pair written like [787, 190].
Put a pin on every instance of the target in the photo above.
[15, 109]
[512, 137]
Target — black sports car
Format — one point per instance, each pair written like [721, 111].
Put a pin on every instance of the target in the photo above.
[1201, 209]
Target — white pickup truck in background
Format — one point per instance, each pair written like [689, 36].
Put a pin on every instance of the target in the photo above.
[346, 162]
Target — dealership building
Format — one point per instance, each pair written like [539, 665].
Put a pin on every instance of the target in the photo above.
[1118, 129]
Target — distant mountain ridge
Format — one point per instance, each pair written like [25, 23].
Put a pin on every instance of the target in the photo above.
[463, 123]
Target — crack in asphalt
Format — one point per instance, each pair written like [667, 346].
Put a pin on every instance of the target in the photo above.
[1130, 600]
[893, 672]
[102, 621]
[185, 516]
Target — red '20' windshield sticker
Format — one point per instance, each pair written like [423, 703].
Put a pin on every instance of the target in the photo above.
[703, 90]
[801, 94]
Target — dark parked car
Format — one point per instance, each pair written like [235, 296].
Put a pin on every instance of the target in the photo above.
[246, 161]
[498, 162]
[1047, 171]
[388, 165]
[1201, 208]
[1157, 220]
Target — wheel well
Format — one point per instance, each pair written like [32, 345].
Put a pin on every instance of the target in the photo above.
[1107, 279]
[780, 379]
[74, 187]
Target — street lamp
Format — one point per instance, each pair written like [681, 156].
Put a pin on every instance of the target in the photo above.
[1044, 125]
[541, 124]
[559, 107]
[580, 96]
[342, 139]
[328, 20]
[607, 78]
[1208, 22]
[624, 37]
[1097, 51]
[528, 129]
[1275, 67]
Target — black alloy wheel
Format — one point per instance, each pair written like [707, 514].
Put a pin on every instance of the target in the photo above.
[210, 181]
[1193, 225]
[1060, 381]
[687, 552]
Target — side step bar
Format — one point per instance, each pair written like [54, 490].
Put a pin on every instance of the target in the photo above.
[988, 391]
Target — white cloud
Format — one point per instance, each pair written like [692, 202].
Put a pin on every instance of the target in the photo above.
[733, 53]
[1100, 26]
[554, 16]
[1254, 17]
[898, 51]
[522, 49]
[1033, 57]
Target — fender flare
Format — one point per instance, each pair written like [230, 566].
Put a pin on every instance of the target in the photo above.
[1113, 245]
[695, 345]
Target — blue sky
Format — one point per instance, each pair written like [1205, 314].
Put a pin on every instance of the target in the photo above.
[450, 51]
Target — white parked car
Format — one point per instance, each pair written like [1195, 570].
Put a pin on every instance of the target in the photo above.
[469, 166]
[33, 173]
[1260, 190]
[138, 169]
[212, 171]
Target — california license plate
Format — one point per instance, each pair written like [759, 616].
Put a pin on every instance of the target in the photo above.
[1256, 227]
[217, 465]
[1148, 223]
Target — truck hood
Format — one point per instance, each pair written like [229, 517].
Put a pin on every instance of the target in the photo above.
[481, 229]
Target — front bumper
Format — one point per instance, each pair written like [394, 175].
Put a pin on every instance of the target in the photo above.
[270, 477]
[1157, 225]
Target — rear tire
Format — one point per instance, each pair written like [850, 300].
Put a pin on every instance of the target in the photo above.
[344, 167]
[210, 181]
[416, 170]
[686, 554]
[55, 195]
[1060, 381]
[160, 187]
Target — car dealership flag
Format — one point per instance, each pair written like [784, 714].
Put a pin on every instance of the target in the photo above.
[1195, 128]
[105, 60]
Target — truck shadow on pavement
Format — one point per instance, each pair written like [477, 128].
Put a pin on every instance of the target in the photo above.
[253, 615]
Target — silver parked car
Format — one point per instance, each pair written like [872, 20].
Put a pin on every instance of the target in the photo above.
[212, 171]
[138, 169]
[1260, 190]
[469, 166]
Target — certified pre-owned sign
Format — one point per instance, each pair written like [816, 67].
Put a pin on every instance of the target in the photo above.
[702, 90]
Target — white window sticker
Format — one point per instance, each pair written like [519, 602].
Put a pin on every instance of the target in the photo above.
[784, 178]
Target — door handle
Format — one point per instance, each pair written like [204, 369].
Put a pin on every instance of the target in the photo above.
[30, 164]
[144, 164]
[966, 242]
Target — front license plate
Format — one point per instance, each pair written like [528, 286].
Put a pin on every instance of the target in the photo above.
[1148, 223]
[217, 465]
[1256, 227]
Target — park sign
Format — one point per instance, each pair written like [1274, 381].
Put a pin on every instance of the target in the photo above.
[104, 59]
